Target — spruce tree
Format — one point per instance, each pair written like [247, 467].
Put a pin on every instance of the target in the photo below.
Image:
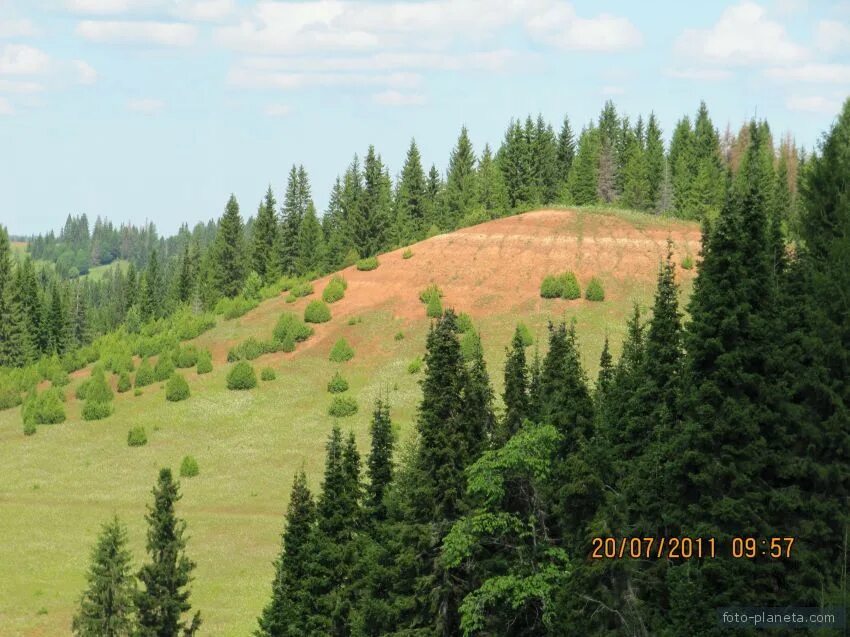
[654, 157]
[379, 468]
[106, 608]
[292, 212]
[545, 161]
[492, 195]
[229, 271]
[17, 346]
[411, 203]
[185, 280]
[581, 185]
[311, 243]
[514, 160]
[515, 396]
[290, 604]
[164, 597]
[461, 182]
[435, 197]
[334, 229]
[477, 418]
[264, 259]
[566, 151]
[606, 372]
[368, 205]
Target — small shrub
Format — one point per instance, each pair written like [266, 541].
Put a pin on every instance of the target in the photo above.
[474, 217]
[267, 374]
[551, 287]
[433, 231]
[137, 437]
[337, 384]
[189, 467]
[124, 383]
[291, 298]
[431, 291]
[341, 351]
[367, 264]
[29, 428]
[415, 366]
[98, 390]
[241, 376]
[594, 291]
[434, 308]
[253, 286]
[289, 326]
[44, 408]
[525, 334]
[334, 290]
[235, 307]
[145, 375]
[82, 389]
[317, 312]
[342, 406]
[569, 286]
[177, 388]
[9, 397]
[407, 254]
[93, 410]
[185, 357]
[399, 336]
[464, 322]
[688, 262]
[304, 288]
[249, 349]
[137, 392]
[204, 362]
[164, 368]
[355, 320]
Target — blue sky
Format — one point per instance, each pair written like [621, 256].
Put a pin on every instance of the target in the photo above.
[159, 109]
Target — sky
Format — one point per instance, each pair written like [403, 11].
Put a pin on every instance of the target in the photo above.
[158, 110]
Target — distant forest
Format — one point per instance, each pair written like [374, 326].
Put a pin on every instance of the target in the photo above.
[613, 161]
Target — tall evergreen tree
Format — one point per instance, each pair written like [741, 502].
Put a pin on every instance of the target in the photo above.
[311, 243]
[164, 597]
[291, 604]
[566, 152]
[264, 259]
[515, 396]
[369, 217]
[654, 155]
[379, 468]
[461, 182]
[492, 195]
[229, 271]
[411, 204]
[106, 607]
[581, 186]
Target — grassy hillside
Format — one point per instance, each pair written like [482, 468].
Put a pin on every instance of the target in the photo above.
[62, 483]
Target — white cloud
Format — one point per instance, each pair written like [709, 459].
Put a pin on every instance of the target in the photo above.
[204, 10]
[700, 74]
[812, 73]
[813, 104]
[21, 59]
[832, 36]
[22, 28]
[247, 78]
[278, 110]
[790, 7]
[24, 87]
[334, 25]
[146, 106]
[111, 7]
[559, 26]
[397, 98]
[85, 72]
[6, 107]
[742, 35]
[139, 32]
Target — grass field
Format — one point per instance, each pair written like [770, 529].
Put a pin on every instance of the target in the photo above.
[61, 484]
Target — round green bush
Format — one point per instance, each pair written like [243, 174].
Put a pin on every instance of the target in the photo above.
[45, 408]
[569, 286]
[124, 382]
[525, 334]
[204, 362]
[93, 410]
[367, 264]
[334, 290]
[305, 288]
[594, 291]
[342, 406]
[185, 357]
[415, 366]
[189, 467]
[317, 312]
[241, 376]
[249, 349]
[29, 428]
[355, 320]
[434, 308]
[98, 390]
[291, 298]
[429, 292]
[290, 327]
[144, 376]
[551, 287]
[137, 437]
[164, 368]
[399, 336]
[337, 384]
[137, 392]
[267, 373]
[177, 388]
[82, 389]
[688, 262]
[341, 351]
[407, 254]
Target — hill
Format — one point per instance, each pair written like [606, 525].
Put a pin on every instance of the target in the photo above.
[62, 483]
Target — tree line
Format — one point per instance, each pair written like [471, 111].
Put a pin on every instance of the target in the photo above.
[732, 423]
